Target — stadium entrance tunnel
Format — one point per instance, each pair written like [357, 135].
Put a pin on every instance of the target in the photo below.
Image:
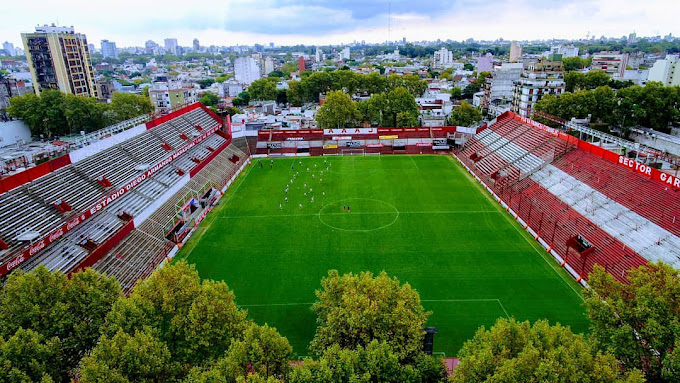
[358, 214]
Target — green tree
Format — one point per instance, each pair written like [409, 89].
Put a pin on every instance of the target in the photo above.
[60, 316]
[276, 73]
[140, 357]
[574, 63]
[231, 110]
[468, 66]
[354, 309]
[125, 106]
[28, 357]
[402, 106]
[209, 99]
[295, 93]
[465, 115]
[574, 81]
[596, 78]
[263, 89]
[205, 82]
[242, 99]
[415, 85]
[456, 93]
[376, 362]
[638, 322]
[338, 111]
[512, 351]
[262, 352]
[196, 320]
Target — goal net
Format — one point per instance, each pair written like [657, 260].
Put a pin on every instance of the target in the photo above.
[352, 152]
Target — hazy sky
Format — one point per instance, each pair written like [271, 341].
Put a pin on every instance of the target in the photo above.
[286, 22]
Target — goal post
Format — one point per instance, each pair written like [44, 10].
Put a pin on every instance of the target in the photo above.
[352, 152]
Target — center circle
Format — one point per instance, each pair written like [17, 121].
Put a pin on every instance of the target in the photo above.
[358, 214]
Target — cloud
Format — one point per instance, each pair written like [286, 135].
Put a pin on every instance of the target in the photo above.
[230, 22]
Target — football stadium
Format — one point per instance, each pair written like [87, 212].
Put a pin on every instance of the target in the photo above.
[502, 221]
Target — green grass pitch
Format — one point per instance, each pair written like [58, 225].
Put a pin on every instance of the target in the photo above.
[420, 218]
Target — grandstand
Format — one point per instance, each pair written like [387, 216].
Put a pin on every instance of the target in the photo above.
[76, 210]
[585, 204]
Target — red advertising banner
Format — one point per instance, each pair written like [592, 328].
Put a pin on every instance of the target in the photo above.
[97, 206]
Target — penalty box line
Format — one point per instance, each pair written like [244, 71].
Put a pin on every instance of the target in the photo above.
[363, 213]
[422, 300]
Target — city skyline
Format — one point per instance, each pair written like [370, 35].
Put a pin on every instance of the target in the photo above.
[320, 22]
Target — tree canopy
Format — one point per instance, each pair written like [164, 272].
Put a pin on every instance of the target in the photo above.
[465, 115]
[183, 321]
[338, 111]
[209, 99]
[263, 89]
[512, 351]
[49, 321]
[639, 322]
[354, 309]
[653, 106]
[55, 113]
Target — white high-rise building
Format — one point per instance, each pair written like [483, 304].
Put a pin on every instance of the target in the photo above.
[109, 49]
[501, 86]
[564, 50]
[666, 71]
[515, 52]
[319, 55]
[268, 65]
[171, 46]
[246, 70]
[344, 54]
[442, 57]
[9, 48]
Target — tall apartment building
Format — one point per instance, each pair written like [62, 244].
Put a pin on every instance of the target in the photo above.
[564, 50]
[485, 63]
[268, 65]
[614, 63]
[246, 70]
[197, 45]
[171, 46]
[169, 95]
[515, 52]
[59, 58]
[540, 78]
[442, 57]
[9, 88]
[666, 71]
[345, 54]
[318, 56]
[9, 48]
[109, 49]
[500, 87]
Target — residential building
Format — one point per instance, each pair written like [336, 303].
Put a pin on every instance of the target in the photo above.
[344, 54]
[197, 45]
[442, 57]
[10, 87]
[268, 65]
[666, 71]
[109, 49]
[150, 47]
[564, 50]
[105, 89]
[171, 46]
[169, 95]
[485, 63]
[319, 55]
[246, 70]
[59, 58]
[546, 76]
[515, 52]
[501, 85]
[614, 63]
[9, 48]
[301, 64]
